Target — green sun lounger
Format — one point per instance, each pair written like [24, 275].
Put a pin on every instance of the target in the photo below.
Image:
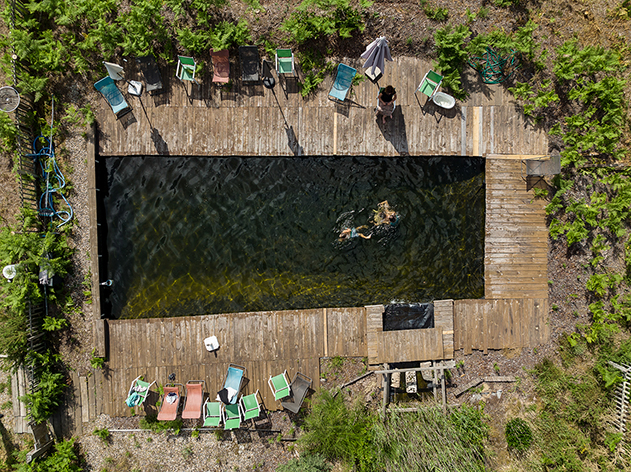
[279, 386]
[212, 414]
[231, 417]
[250, 406]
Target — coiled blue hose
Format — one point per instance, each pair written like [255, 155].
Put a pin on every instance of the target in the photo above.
[54, 180]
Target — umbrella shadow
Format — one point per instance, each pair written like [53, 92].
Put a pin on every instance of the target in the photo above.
[394, 131]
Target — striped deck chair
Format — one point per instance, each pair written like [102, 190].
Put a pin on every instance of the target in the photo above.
[138, 392]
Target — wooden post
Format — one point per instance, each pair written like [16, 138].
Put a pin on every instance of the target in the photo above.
[386, 389]
[326, 334]
[434, 382]
[442, 385]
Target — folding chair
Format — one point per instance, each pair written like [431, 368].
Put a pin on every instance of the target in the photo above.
[299, 388]
[342, 83]
[285, 62]
[430, 83]
[221, 66]
[186, 67]
[279, 386]
[231, 417]
[151, 73]
[234, 378]
[250, 63]
[113, 96]
[250, 406]
[542, 166]
[138, 392]
[194, 399]
[212, 414]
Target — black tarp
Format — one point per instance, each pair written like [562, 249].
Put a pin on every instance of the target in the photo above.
[401, 316]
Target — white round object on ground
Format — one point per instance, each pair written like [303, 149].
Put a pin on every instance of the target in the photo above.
[443, 100]
[10, 271]
[211, 343]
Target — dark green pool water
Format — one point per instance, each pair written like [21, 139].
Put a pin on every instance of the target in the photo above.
[197, 235]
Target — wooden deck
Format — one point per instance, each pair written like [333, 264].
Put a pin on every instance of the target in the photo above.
[249, 120]
[266, 343]
[516, 237]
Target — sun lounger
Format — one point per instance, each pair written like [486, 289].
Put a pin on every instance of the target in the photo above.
[231, 417]
[250, 63]
[221, 66]
[194, 399]
[114, 97]
[342, 83]
[250, 406]
[138, 392]
[234, 377]
[279, 386]
[151, 73]
[212, 414]
[170, 403]
[299, 388]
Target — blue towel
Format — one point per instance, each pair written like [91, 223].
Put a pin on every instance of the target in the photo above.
[133, 400]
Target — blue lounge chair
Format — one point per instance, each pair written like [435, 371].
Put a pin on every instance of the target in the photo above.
[114, 97]
[234, 377]
[343, 81]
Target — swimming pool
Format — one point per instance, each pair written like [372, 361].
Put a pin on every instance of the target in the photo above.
[194, 235]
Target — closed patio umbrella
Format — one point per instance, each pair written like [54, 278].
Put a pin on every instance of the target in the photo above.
[376, 54]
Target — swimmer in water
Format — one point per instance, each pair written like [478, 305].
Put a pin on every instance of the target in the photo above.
[350, 233]
[384, 215]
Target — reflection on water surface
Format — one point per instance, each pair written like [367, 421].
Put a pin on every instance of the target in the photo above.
[213, 235]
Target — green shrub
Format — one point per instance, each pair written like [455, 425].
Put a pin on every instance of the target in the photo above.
[306, 463]
[143, 28]
[42, 403]
[518, 435]
[505, 3]
[226, 35]
[103, 434]
[151, 422]
[54, 324]
[95, 361]
[62, 459]
[452, 56]
[436, 14]
[315, 19]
